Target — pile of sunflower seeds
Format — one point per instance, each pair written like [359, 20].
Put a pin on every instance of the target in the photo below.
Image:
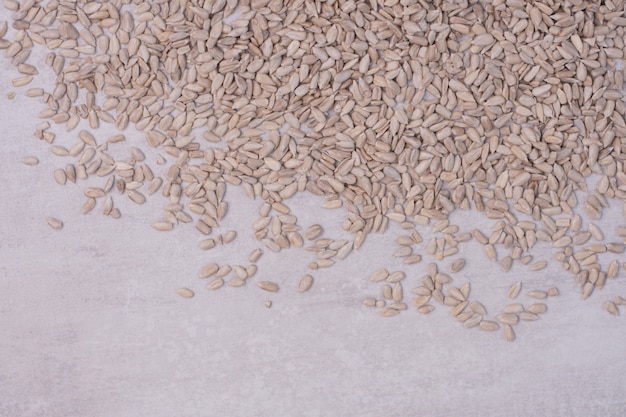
[395, 111]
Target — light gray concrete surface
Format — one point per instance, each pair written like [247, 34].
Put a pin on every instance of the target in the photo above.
[90, 324]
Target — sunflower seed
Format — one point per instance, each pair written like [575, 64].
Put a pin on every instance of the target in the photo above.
[473, 321]
[425, 309]
[538, 266]
[185, 292]
[507, 318]
[478, 308]
[215, 284]
[255, 255]
[538, 294]
[268, 286]
[457, 265]
[162, 226]
[489, 325]
[514, 290]
[509, 333]
[528, 316]
[539, 308]
[55, 223]
[209, 270]
[553, 292]
[513, 308]
[369, 302]
[313, 232]
[30, 160]
[596, 232]
[305, 283]
[611, 308]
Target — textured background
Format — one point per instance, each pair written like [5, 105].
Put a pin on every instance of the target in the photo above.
[90, 324]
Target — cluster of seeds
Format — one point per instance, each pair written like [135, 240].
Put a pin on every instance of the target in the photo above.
[436, 287]
[395, 111]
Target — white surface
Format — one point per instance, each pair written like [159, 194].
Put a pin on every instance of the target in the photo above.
[90, 324]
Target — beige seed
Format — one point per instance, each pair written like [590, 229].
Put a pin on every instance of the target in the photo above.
[223, 271]
[55, 223]
[425, 309]
[443, 279]
[450, 301]
[539, 294]
[395, 277]
[325, 263]
[255, 255]
[514, 290]
[251, 270]
[473, 321]
[459, 308]
[612, 269]
[421, 300]
[60, 176]
[369, 302]
[525, 260]
[587, 289]
[268, 286]
[413, 259]
[207, 244]
[136, 196]
[240, 271]
[185, 292]
[236, 282]
[528, 316]
[271, 245]
[386, 292]
[30, 160]
[506, 263]
[509, 333]
[396, 292]
[596, 232]
[464, 316]
[209, 270]
[539, 308]
[581, 238]
[481, 238]
[229, 236]
[562, 242]
[267, 303]
[456, 293]
[379, 275]
[162, 226]
[59, 150]
[490, 251]
[313, 232]
[215, 284]
[465, 290]
[538, 266]
[553, 292]
[513, 308]
[478, 308]
[22, 81]
[403, 252]
[507, 318]
[389, 312]
[457, 265]
[489, 325]
[611, 308]
[306, 282]
[154, 185]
